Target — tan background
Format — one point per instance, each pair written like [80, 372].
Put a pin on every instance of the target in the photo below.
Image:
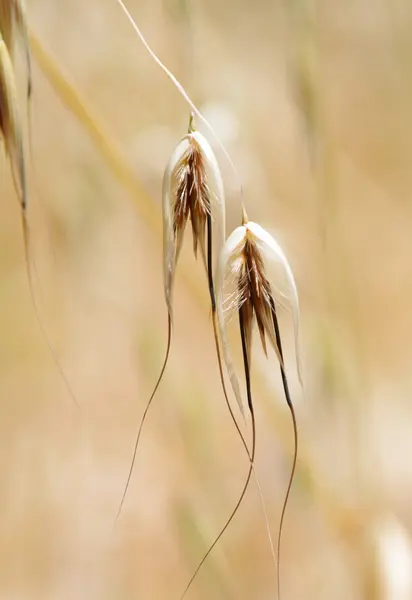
[313, 100]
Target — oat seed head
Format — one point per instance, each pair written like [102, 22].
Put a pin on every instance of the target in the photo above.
[192, 190]
[243, 283]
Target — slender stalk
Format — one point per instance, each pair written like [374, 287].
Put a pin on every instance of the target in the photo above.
[295, 431]
[181, 90]
[148, 405]
[30, 262]
[242, 438]
[252, 458]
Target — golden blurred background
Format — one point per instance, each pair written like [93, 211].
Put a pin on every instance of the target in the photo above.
[312, 98]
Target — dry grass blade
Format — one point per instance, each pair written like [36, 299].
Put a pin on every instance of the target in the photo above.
[10, 126]
[79, 107]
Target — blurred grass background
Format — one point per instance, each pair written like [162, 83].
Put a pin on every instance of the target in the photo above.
[312, 99]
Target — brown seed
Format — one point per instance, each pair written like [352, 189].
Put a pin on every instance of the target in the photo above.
[191, 198]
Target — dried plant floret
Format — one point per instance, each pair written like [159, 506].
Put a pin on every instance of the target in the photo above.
[11, 134]
[245, 262]
[192, 190]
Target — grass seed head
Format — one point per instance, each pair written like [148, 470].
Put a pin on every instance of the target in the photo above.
[244, 271]
[192, 190]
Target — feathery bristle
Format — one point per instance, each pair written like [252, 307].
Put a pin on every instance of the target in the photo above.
[192, 196]
[255, 290]
[255, 295]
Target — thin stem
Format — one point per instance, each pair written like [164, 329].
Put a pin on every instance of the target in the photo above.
[252, 458]
[242, 438]
[249, 395]
[239, 502]
[295, 431]
[259, 489]
[181, 90]
[169, 339]
[29, 262]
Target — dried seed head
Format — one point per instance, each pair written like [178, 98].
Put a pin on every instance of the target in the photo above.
[10, 126]
[192, 189]
[243, 285]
